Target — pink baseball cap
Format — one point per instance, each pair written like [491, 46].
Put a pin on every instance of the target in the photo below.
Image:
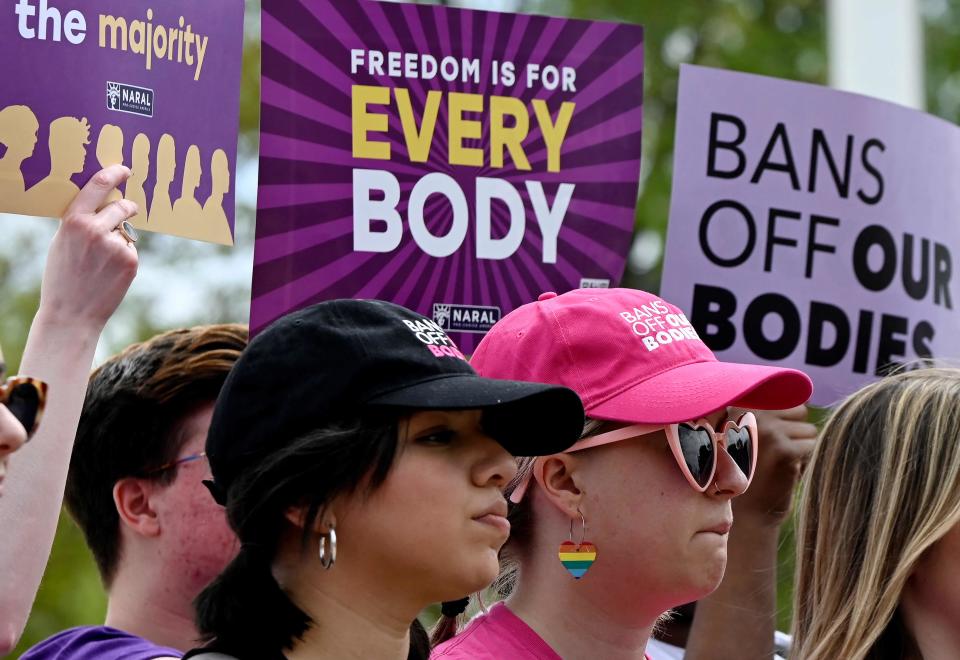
[631, 356]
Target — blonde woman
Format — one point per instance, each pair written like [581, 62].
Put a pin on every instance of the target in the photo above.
[879, 538]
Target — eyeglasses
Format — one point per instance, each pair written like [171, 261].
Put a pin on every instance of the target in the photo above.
[26, 398]
[173, 464]
[694, 446]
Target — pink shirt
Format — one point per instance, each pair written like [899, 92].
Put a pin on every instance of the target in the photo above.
[497, 635]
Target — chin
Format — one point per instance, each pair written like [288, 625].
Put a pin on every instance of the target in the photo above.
[712, 574]
[479, 574]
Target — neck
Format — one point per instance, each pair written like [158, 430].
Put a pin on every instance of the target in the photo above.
[576, 617]
[344, 630]
[151, 609]
[353, 615]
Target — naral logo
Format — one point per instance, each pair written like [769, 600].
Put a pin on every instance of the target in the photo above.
[594, 283]
[129, 98]
[465, 318]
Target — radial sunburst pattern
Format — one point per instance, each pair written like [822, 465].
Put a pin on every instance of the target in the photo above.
[304, 250]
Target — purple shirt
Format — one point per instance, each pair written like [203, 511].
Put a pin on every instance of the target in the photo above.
[97, 643]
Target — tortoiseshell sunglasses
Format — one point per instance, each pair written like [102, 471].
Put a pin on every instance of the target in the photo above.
[25, 397]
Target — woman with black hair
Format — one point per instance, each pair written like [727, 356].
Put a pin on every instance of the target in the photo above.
[361, 462]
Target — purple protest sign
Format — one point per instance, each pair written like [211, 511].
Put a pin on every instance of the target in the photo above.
[456, 162]
[813, 228]
[155, 86]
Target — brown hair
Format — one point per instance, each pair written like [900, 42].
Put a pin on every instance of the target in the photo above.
[131, 422]
[882, 487]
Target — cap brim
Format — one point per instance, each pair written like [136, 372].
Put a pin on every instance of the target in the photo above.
[528, 419]
[694, 390]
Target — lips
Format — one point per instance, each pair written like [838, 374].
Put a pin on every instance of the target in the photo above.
[495, 516]
[720, 528]
[498, 508]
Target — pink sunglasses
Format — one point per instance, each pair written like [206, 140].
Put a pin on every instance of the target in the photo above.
[695, 446]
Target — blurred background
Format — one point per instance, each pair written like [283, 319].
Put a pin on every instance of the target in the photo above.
[903, 50]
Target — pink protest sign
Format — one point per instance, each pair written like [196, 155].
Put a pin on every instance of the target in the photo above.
[813, 228]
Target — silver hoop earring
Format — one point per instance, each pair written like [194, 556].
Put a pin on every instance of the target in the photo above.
[328, 548]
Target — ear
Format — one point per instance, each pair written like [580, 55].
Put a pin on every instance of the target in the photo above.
[326, 518]
[559, 481]
[132, 496]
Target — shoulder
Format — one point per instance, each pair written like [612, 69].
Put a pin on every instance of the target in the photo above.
[474, 641]
[100, 643]
[496, 635]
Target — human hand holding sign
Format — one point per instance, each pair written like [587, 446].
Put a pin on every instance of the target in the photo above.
[90, 266]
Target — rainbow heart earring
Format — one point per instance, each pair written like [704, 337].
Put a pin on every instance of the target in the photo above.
[577, 558]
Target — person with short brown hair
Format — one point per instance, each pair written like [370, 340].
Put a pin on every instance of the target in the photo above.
[135, 490]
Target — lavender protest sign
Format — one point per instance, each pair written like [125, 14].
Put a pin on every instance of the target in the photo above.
[813, 228]
[152, 85]
[456, 162]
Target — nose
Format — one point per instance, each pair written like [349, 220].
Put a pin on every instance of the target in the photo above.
[12, 433]
[729, 481]
[496, 465]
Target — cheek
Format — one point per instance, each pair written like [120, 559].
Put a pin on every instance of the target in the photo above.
[422, 497]
[937, 578]
[643, 516]
[417, 528]
[197, 533]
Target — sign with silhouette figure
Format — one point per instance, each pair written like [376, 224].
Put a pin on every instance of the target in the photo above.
[457, 162]
[152, 85]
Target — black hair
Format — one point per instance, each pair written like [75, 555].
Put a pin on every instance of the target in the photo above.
[131, 423]
[244, 612]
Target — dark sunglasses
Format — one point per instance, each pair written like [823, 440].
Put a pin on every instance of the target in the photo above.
[26, 398]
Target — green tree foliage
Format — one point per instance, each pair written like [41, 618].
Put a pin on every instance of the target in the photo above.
[781, 38]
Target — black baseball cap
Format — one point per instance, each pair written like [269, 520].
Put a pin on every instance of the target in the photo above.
[342, 357]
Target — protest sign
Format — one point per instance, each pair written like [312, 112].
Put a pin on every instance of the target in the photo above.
[152, 85]
[456, 162]
[813, 228]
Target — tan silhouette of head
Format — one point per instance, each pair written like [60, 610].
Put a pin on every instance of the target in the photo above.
[220, 171]
[192, 169]
[166, 159]
[110, 145]
[18, 131]
[69, 138]
[141, 156]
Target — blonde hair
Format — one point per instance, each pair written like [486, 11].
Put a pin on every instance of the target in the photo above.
[882, 487]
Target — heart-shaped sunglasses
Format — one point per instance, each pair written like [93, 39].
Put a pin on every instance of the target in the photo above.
[694, 446]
